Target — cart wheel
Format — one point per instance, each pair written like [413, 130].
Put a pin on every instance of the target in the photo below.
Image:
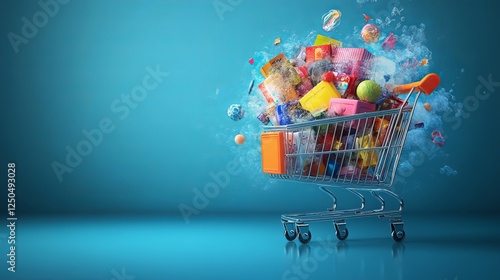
[398, 236]
[342, 236]
[305, 239]
[290, 237]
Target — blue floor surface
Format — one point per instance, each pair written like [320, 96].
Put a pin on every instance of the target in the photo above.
[252, 247]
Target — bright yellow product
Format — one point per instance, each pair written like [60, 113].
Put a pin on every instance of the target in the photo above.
[318, 98]
[368, 155]
[273, 152]
[322, 40]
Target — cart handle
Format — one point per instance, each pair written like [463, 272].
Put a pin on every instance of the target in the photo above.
[427, 85]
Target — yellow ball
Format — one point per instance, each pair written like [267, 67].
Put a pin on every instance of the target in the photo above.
[239, 139]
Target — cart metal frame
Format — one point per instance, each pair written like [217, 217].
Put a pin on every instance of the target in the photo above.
[375, 180]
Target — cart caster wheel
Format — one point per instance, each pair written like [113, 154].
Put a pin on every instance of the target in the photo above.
[290, 237]
[342, 236]
[304, 238]
[398, 236]
[341, 230]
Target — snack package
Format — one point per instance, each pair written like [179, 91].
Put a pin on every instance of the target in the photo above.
[305, 86]
[299, 147]
[279, 90]
[281, 66]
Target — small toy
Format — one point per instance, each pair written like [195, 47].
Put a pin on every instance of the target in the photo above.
[427, 107]
[235, 112]
[437, 138]
[389, 42]
[251, 61]
[277, 41]
[239, 139]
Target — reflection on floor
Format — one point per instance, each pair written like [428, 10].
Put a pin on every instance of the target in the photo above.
[252, 247]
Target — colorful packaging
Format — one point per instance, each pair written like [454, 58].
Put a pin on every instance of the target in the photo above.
[305, 86]
[313, 167]
[299, 147]
[271, 114]
[323, 40]
[318, 98]
[392, 102]
[347, 107]
[291, 112]
[352, 61]
[280, 65]
[279, 90]
[380, 130]
[266, 93]
[318, 68]
[345, 85]
[315, 53]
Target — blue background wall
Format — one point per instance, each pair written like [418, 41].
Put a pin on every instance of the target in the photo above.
[90, 53]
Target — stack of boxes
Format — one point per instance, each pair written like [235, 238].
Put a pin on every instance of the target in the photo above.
[298, 90]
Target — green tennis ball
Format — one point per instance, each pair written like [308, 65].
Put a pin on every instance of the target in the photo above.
[369, 91]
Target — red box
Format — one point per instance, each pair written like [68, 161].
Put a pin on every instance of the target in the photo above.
[315, 53]
[352, 61]
[347, 107]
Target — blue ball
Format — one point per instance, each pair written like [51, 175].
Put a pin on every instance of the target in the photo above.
[235, 112]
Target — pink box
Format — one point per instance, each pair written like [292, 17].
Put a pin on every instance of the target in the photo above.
[347, 107]
[353, 61]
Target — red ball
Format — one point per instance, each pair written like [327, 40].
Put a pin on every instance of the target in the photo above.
[328, 77]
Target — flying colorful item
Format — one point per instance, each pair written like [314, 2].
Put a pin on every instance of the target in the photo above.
[370, 33]
[389, 42]
[235, 112]
[331, 20]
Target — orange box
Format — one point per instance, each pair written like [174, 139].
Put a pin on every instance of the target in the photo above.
[273, 152]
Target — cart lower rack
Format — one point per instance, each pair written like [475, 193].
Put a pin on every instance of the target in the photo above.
[359, 153]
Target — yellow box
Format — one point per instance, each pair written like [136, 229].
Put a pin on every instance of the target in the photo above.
[273, 152]
[318, 98]
[322, 40]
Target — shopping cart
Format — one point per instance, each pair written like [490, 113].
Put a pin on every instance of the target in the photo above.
[359, 153]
